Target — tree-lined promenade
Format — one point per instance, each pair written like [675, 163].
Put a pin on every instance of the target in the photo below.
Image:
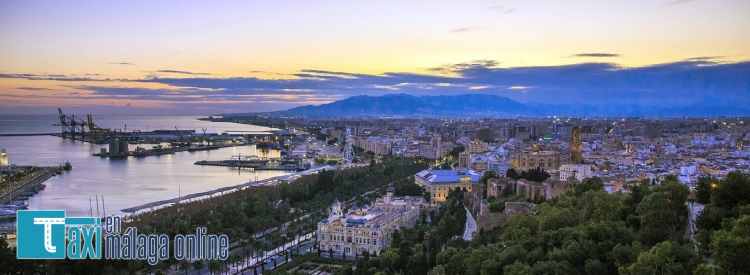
[240, 215]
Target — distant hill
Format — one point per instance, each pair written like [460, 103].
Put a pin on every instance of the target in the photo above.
[484, 105]
[697, 111]
[408, 105]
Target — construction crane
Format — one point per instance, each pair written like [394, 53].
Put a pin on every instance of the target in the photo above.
[71, 125]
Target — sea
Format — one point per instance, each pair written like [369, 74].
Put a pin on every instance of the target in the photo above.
[122, 183]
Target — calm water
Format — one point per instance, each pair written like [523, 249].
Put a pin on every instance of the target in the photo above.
[123, 182]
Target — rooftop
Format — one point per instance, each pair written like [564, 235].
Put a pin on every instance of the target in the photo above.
[449, 176]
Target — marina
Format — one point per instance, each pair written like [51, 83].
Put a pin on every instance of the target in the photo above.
[19, 190]
[125, 181]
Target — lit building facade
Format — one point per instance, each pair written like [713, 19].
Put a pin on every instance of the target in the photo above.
[369, 228]
[547, 160]
[477, 147]
[440, 182]
[576, 145]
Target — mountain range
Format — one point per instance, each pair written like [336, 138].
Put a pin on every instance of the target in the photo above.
[485, 105]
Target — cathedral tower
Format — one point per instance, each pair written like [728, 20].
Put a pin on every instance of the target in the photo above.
[576, 146]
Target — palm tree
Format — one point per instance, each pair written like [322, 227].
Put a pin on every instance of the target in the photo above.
[185, 265]
[197, 266]
[244, 244]
[244, 256]
[214, 266]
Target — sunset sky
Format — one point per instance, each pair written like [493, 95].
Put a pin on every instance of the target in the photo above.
[208, 57]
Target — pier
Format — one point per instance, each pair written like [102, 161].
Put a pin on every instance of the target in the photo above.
[29, 135]
[268, 181]
[26, 184]
[257, 163]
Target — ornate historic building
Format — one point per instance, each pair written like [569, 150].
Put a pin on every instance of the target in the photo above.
[368, 228]
[547, 160]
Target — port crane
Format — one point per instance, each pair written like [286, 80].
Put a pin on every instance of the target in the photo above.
[71, 125]
[96, 132]
[204, 136]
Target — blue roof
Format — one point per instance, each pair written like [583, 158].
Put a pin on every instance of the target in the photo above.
[356, 221]
[448, 176]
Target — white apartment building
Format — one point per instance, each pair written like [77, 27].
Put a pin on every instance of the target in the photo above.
[577, 171]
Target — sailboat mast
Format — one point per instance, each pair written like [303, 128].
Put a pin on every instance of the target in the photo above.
[97, 206]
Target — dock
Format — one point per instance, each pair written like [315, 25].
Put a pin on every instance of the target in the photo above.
[25, 185]
[12, 201]
[258, 163]
[251, 165]
[28, 135]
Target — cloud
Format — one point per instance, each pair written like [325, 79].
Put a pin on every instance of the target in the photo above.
[180, 72]
[120, 63]
[502, 9]
[465, 29]
[322, 73]
[606, 84]
[34, 89]
[471, 65]
[704, 58]
[675, 2]
[595, 55]
[695, 81]
[55, 77]
[479, 87]
[518, 88]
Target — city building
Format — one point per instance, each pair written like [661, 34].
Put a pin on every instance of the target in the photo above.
[479, 164]
[484, 134]
[369, 228]
[546, 160]
[577, 171]
[429, 152]
[464, 159]
[477, 147]
[500, 167]
[497, 187]
[440, 182]
[576, 145]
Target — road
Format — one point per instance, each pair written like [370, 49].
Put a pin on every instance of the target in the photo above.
[695, 209]
[253, 260]
[471, 226]
[304, 249]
